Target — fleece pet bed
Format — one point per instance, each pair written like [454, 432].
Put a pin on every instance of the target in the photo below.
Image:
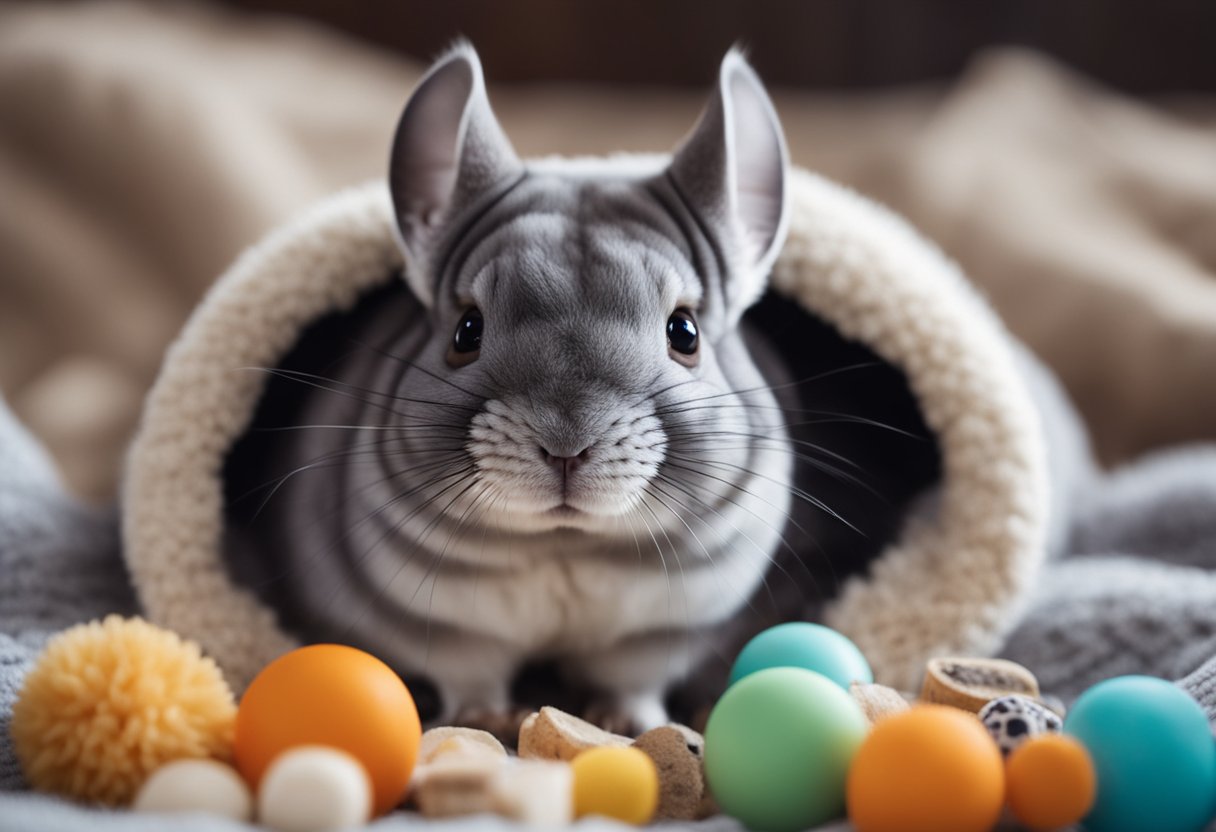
[1133, 591]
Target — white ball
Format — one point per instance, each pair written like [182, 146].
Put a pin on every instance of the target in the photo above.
[196, 786]
[314, 789]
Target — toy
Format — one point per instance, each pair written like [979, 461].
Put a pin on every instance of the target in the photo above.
[810, 646]
[1049, 782]
[1012, 720]
[970, 684]
[109, 702]
[196, 786]
[620, 783]
[677, 754]
[337, 696]
[1154, 755]
[314, 789]
[931, 768]
[778, 747]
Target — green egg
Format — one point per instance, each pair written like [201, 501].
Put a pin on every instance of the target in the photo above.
[778, 748]
[809, 646]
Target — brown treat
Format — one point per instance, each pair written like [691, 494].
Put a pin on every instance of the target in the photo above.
[439, 742]
[877, 701]
[454, 786]
[551, 734]
[678, 760]
[534, 792]
[969, 684]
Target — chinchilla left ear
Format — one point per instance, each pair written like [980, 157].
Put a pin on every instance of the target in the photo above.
[448, 151]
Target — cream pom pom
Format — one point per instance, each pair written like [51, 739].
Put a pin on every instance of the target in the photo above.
[109, 702]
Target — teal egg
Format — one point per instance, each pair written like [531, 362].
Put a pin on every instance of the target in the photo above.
[1153, 754]
[778, 747]
[809, 646]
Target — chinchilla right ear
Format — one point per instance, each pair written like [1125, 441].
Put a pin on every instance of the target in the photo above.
[448, 150]
[731, 170]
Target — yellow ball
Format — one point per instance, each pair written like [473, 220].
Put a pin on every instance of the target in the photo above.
[619, 783]
[109, 702]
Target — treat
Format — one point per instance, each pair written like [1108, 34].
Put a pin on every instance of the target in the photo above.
[464, 742]
[778, 748]
[1011, 720]
[336, 696]
[678, 760]
[1153, 752]
[1050, 782]
[196, 786]
[314, 789]
[551, 734]
[110, 702]
[620, 783]
[970, 684]
[809, 646]
[534, 792]
[932, 767]
[456, 785]
[878, 701]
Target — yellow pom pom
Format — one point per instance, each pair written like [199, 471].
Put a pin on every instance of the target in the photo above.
[110, 702]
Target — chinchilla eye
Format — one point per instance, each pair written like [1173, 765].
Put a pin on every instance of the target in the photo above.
[467, 341]
[682, 333]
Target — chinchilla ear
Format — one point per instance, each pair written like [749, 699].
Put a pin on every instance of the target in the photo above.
[448, 150]
[732, 169]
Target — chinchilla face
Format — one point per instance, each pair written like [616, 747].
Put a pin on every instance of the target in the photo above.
[584, 352]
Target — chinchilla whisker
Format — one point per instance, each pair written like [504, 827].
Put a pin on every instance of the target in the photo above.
[662, 560]
[373, 450]
[769, 444]
[401, 428]
[830, 417]
[675, 551]
[794, 490]
[789, 518]
[713, 564]
[804, 443]
[783, 386]
[395, 528]
[438, 566]
[416, 366]
[327, 550]
[780, 534]
[323, 383]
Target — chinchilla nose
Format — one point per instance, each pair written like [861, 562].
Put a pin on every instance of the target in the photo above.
[564, 465]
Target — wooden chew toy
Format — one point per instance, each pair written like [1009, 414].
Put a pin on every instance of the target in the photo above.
[970, 684]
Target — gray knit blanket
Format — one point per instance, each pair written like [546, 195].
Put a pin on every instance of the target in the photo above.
[1135, 594]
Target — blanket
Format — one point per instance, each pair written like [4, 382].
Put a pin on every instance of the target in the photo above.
[1134, 591]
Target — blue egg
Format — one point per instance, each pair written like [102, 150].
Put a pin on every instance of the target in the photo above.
[1153, 753]
[809, 646]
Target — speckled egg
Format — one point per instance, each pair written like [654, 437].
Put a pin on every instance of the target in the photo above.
[1011, 720]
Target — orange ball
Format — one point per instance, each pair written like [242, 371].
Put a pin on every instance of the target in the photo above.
[929, 769]
[1050, 782]
[330, 694]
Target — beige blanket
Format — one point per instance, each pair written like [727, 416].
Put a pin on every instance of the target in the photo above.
[141, 148]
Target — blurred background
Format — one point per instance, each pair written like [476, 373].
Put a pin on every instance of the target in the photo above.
[1063, 151]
